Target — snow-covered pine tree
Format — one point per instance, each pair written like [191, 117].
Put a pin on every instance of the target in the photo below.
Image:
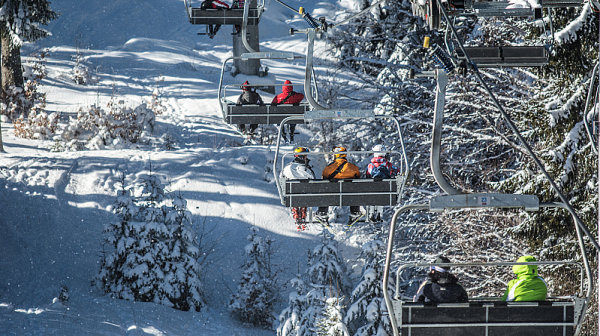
[326, 266]
[554, 123]
[326, 272]
[365, 316]
[153, 256]
[120, 237]
[257, 291]
[555, 120]
[181, 286]
[331, 323]
[20, 20]
[303, 304]
[378, 48]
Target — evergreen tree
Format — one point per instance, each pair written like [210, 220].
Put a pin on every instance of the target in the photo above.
[20, 21]
[555, 117]
[326, 271]
[367, 306]
[326, 266]
[554, 120]
[153, 255]
[257, 289]
[304, 306]
[331, 323]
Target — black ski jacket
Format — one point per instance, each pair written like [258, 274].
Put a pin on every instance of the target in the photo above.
[441, 292]
[249, 97]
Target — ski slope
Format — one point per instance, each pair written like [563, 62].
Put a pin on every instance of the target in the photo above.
[55, 204]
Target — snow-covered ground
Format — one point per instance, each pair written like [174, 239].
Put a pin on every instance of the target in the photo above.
[55, 204]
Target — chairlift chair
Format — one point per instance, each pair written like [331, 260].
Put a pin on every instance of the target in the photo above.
[347, 192]
[258, 114]
[506, 56]
[430, 10]
[222, 16]
[492, 56]
[557, 316]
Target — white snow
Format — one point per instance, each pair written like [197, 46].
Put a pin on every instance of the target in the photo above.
[56, 204]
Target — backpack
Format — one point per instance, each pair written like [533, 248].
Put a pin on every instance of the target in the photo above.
[381, 171]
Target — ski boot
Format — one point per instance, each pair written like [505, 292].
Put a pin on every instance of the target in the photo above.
[375, 218]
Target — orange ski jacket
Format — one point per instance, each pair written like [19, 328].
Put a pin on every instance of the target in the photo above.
[347, 172]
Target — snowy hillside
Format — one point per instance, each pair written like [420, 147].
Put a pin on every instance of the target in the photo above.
[56, 204]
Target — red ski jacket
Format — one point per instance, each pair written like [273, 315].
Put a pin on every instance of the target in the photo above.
[288, 92]
[377, 161]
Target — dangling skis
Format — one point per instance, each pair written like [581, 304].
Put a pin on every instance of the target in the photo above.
[248, 137]
[326, 226]
[347, 227]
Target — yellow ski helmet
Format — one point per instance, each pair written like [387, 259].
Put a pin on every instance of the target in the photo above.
[340, 149]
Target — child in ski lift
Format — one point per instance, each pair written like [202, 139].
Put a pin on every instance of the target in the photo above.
[237, 4]
[288, 96]
[213, 4]
[299, 169]
[380, 167]
[340, 169]
[248, 97]
[528, 286]
[442, 286]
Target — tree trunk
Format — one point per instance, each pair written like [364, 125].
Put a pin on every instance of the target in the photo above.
[12, 73]
[1, 94]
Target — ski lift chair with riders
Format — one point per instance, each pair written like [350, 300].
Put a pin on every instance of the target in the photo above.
[214, 13]
[263, 114]
[341, 192]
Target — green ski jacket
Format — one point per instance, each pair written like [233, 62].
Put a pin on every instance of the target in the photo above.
[528, 286]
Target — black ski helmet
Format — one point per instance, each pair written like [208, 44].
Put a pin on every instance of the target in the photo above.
[441, 260]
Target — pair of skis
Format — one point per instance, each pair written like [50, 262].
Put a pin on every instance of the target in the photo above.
[249, 138]
[335, 232]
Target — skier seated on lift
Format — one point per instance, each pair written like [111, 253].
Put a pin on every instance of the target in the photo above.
[442, 286]
[288, 96]
[528, 286]
[299, 169]
[340, 169]
[380, 167]
[213, 4]
[237, 4]
[248, 97]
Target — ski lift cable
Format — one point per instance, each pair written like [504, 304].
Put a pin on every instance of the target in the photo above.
[517, 133]
[588, 127]
[288, 6]
[586, 262]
